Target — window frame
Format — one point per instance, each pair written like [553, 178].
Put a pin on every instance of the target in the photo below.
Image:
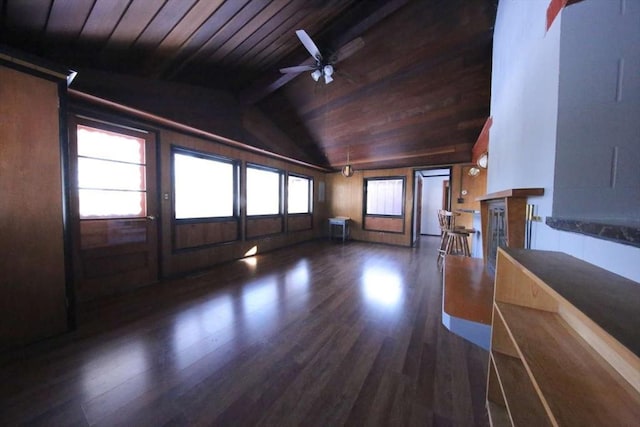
[385, 178]
[213, 157]
[115, 128]
[309, 193]
[281, 184]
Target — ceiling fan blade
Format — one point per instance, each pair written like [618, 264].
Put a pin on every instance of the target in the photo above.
[298, 69]
[348, 49]
[309, 44]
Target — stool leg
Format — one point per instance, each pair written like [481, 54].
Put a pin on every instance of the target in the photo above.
[443, 243]
[450, 242]
[467, 252]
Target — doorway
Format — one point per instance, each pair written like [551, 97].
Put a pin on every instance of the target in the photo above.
[435, 196]
[114, 206]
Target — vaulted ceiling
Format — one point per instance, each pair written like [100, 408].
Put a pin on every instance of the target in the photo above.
[415, 92]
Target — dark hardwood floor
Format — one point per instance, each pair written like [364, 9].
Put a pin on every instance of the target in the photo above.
[321, 333]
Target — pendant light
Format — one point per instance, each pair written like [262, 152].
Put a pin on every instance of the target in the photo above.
[347, 170]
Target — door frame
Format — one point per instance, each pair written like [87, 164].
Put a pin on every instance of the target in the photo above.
[152, 169]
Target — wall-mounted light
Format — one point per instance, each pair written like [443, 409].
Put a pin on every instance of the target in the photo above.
[474, 171]
[483, 160]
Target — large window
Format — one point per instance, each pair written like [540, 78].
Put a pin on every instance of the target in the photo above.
[384, 196]
[111, 174]
[264, 189]
[204, 186]
[300, 192]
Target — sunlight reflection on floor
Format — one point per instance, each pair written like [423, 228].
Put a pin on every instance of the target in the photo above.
[382, 285]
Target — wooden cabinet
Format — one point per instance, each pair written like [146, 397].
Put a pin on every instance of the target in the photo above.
[32, 266]
[564, 345]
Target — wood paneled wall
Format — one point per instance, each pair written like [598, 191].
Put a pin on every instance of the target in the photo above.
[475, 186]
[345, 197]
[263, 233]
[376, 223]
[259, 227]
[205, 233]
[32, 263]
[214, 111]
[299, 222]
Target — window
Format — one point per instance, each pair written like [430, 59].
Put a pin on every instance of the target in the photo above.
[384, 196]
[204, 186]
[263, 191]
[111, 174]
[300, 191]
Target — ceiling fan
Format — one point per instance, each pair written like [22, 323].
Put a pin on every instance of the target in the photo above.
[323, 67]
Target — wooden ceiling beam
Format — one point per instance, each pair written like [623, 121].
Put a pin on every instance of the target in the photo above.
[460, 153]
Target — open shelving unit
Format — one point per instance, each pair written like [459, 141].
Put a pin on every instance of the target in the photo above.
[565, 343]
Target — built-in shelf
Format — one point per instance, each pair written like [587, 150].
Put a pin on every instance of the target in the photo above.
[564, 346]
[525, 407]
[626, 232]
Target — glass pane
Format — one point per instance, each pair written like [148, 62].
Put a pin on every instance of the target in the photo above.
[263, 192]
[384, 197]
[108, 175]
[106, 203]
[103, 144]
[203, 187]
[298, 200]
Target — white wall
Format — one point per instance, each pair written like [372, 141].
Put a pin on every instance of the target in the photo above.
[524, 107]
[524, 103]
[431, 203]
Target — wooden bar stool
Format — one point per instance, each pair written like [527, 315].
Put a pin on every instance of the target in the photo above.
[457, 242]
[453, 239]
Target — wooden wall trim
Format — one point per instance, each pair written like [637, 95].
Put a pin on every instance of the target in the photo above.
[36, 66]
[185, 128]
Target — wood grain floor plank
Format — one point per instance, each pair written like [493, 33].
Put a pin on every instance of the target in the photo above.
[322, 333]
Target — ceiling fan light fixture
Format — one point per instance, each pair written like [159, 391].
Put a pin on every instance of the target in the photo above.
[316, 75]
[328, 70]
[327, 79]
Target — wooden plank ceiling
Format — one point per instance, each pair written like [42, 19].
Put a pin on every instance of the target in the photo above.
[416, 94]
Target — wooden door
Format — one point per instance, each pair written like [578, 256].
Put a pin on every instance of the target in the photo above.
[446, 204]
[114, 201]
[32, 261]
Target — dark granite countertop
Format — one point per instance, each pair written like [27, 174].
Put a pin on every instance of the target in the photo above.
[626, 232]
